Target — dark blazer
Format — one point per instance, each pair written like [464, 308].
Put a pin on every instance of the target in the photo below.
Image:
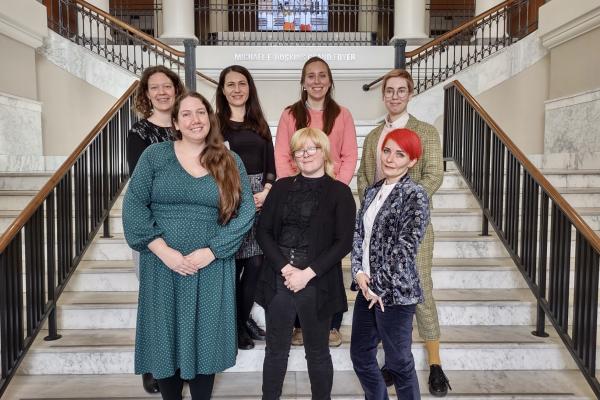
[330, 239]
[398, 230]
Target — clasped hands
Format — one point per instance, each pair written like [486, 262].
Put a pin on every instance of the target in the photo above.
[177, 262]
[363, 282]
[296, 279]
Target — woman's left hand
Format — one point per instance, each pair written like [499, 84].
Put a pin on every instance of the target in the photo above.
[201, 258]
[259, 198]
[298, 279]
[374, 299]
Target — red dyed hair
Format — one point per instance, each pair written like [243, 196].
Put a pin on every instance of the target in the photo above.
[408, 140]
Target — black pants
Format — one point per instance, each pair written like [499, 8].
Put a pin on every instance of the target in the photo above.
[247, 272]
[280, 316]
[336, 321]
[200, 387]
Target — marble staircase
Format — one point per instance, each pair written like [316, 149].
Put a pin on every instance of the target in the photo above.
[485, 308]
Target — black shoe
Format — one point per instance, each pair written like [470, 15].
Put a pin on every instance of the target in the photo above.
[438, 382]
[387, 376]
[254, 330]
[244, 340]
[150, 384]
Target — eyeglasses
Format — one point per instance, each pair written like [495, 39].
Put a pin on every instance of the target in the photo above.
[310, 151]
[400, 93]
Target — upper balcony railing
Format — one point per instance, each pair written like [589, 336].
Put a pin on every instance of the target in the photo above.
[116, 41]
[467, 44]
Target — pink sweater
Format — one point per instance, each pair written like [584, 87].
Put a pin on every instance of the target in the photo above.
[342, 140]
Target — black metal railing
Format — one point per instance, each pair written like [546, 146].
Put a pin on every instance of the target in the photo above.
[468, 44]
[118, 42]
[540, 230]
[110, 37]
[47, 240]
[240, 22]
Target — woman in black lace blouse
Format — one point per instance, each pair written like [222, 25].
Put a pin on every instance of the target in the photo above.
[247, 133]
[305, 230]
[154, 100]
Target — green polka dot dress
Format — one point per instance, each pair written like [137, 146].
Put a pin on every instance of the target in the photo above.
[183, 322]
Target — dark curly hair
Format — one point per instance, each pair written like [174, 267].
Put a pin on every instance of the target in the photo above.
[142, 104]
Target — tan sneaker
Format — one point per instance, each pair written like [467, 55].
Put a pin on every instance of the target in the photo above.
[297, 339]
[335, 338]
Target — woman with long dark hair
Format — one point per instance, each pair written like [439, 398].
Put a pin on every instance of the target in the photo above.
[317, 109]
[187, 209]
[247, 133]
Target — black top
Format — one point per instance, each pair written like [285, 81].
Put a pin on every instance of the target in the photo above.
[302, 201]
[329, 239]
[256, 153]
[141, 135]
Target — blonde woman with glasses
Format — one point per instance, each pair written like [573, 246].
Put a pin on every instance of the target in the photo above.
[305, 230]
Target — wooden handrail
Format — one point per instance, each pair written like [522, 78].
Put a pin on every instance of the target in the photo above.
[206, 77]
[33, 205]
[459, 29]
[535, 173]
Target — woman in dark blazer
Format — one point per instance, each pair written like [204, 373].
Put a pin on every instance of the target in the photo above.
[305, 230]
[389, 228]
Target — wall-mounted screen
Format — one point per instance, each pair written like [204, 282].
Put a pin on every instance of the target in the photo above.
[292, 15]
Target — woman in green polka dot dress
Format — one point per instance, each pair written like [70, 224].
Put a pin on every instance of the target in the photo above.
[186, 211]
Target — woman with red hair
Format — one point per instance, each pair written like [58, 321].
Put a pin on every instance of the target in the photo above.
[390, 226]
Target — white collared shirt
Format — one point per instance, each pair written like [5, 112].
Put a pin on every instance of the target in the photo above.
[368, 221]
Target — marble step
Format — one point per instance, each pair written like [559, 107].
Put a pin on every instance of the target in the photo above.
[15, 199]
[471, 385]
[446, 273]
[24, 180]
[447, 245]
[108, 310]
[443, 219]
[571, 178]
[462, 348]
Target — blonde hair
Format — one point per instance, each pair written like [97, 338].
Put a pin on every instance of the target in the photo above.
[320, 139]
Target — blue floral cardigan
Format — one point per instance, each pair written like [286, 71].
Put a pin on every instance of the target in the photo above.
[398, 230]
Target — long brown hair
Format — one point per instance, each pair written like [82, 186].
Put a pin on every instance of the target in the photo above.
[217, 160]
[331, 109]
[254, 118]
[141, 102]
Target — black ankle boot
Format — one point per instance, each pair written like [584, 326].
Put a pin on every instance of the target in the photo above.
[244, 340]
[150, 384]
[255, 332]
[438, 382]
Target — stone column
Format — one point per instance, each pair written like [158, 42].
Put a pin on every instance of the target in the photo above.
[90, 28]
[409, 19]
[482, 6]
[218, 16]
[367, 16]
[177, 21]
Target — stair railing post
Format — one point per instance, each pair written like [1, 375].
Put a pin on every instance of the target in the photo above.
[399, 53]
[190, 63]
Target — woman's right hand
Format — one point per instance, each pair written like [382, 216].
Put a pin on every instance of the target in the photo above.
[177, 262]
[172, 258]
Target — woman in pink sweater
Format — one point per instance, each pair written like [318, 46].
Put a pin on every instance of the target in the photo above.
[317, 109]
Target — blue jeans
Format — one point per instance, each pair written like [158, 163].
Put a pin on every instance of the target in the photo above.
[393, 327]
